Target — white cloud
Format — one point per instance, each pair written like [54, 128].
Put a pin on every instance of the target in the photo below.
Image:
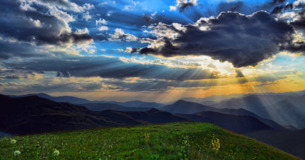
[172, 8]
[103, 28]
[65, 5]
[82, 31]
[36, 23]
[130, 6]
[26, 5]
[298, 2]
[120, 50]
[109, 13]
[128, 49]
[87, 16]
[180, 3]
[165, 30]
[88, 6]
[100, 21]
[119, 35]
[91, 51]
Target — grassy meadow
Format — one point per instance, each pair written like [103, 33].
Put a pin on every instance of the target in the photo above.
[148, 142]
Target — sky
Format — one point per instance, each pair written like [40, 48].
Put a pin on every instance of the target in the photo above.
[151, 50]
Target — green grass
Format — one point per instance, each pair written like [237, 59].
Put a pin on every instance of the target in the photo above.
[165, 141]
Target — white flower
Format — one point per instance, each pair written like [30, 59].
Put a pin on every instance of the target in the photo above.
[16, 153]
[13, 141]
[56, 152]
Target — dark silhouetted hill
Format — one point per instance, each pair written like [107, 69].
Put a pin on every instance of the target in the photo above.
[292, 142]
[239, 124]
[184, 107]
[110, 106]
[33, 114]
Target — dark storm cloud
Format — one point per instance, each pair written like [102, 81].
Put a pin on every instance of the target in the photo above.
[52, 87]
[300, 22]
[295, 47]
[297, 22]
[274, 2]
[110, 68]
[239, 39]
[279, 9]
[183, 6]
[10, 74]
[10, 49]
[239, 73]
[38, 24]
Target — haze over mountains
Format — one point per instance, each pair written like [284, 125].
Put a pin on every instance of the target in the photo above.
[286, 109]
[93, 114]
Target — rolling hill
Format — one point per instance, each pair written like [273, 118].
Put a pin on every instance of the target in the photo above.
[167, 141]
[292, 142]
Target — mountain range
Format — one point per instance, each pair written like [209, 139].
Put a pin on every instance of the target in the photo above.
[33, 114]
[82, 101]
[286, 109]
[283, 109]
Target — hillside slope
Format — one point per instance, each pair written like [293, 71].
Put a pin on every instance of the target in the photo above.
[290, 141]
[167, 141]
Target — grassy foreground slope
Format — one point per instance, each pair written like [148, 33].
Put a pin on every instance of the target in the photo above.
[164, 141]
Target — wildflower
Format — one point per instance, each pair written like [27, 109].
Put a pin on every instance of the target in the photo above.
[13, 141]
[56, 152]
[146, 136]
[215, 144]
[16, 153]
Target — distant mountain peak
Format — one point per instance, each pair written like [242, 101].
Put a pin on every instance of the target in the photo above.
[42, 94]
[181, 101]
[153, 110]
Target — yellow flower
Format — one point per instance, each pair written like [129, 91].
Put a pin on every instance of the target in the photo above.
[56, 152]
[146, 136]
[13, 141]
[215, 144]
